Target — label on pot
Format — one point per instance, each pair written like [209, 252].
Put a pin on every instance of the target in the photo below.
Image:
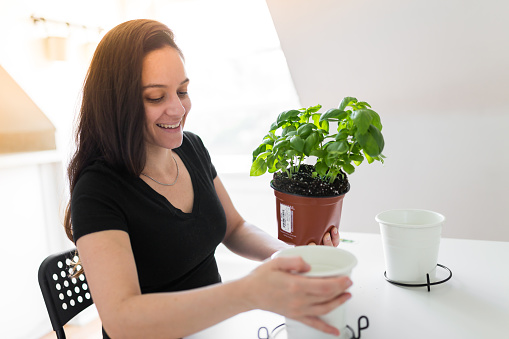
[286, 218]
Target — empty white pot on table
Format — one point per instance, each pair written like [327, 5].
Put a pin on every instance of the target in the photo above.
[411, 240]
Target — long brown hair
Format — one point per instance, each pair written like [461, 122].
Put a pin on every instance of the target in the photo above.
[111, 121]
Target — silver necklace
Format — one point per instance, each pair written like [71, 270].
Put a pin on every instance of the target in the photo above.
[160, 183]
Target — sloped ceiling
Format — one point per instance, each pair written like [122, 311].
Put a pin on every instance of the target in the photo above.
[23, 126]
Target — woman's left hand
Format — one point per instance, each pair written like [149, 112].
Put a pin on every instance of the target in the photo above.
[330, 239]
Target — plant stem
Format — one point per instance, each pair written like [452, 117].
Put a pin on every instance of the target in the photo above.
[288, 173]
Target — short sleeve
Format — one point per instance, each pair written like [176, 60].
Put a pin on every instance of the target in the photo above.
[96, 205]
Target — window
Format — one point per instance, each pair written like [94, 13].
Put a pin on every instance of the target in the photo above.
[239, 77]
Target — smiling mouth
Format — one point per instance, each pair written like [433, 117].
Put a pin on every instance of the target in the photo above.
[169, 126]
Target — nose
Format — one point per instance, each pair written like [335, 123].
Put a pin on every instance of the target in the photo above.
[175, 107]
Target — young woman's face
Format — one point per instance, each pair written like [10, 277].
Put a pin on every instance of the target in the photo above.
[165, 97]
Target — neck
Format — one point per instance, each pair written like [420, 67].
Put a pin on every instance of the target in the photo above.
[159, 162]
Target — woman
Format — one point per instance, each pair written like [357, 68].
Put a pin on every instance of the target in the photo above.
[147, 209]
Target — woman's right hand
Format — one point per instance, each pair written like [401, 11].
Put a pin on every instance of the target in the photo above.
[276, 286]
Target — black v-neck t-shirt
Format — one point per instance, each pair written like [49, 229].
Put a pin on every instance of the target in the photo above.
[173, 250]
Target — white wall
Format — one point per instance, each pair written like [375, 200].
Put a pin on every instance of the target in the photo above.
[438, 74]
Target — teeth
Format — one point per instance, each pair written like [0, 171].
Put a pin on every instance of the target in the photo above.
[169, 126]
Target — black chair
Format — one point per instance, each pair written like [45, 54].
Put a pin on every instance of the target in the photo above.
[64, 295]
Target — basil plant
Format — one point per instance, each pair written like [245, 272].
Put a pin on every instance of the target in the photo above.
[299, 134]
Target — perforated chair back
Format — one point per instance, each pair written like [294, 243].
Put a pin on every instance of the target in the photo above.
[65, 296]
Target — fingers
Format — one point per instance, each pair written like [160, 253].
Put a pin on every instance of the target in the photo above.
[335, 237]
[330, 238]
[293, 295]
[326, 307]
[327, 239]
[291, 264]
[327, 288]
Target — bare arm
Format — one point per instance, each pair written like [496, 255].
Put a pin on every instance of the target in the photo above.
[111, 273]
[242, 237]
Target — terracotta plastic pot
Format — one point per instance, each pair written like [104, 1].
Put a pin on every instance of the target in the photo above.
[303, 219]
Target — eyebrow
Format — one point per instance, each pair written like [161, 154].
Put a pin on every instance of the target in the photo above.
[186, 80]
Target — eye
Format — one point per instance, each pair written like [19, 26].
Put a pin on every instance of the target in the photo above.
[182, 93]
[155, 100]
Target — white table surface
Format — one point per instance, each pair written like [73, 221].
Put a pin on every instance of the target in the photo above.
[473, 304]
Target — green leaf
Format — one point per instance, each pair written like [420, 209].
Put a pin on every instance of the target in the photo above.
[288, 129]
[268, 142]
[362, 119]
[271, 135]
[356, 157]
[287, 116]
[297, 143]
[316, 119]
[339, 147]
[305, 130]
[332, 114]
[363, 104]
[375, 119]
[330, 159]
[271, 162]
[325, 126]
[319, 153]
[348, 168]
[281, 144]
[375, 132]
[313, 109]
[342, 135]
[370, 141]
[368, 158]
[258, 150]
[311, 143]
[321, 168]
[290, 134]
[346, 102]
[258, 167]
[291, 153]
